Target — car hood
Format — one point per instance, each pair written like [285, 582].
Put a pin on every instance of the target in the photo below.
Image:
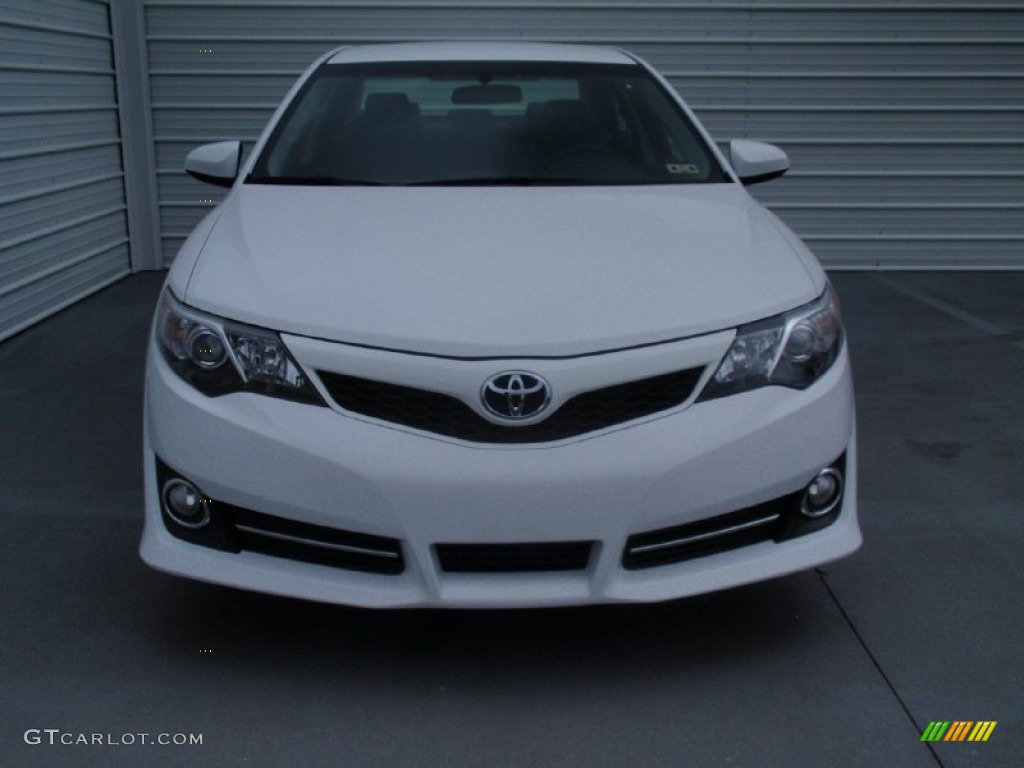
[499, 271]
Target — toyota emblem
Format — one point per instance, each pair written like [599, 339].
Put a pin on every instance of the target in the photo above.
[515, 395]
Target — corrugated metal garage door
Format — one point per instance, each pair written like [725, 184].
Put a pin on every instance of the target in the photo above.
[905, 121]
[62, 209]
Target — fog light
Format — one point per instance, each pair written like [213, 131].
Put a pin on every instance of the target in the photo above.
[823, 494]
[185, 504]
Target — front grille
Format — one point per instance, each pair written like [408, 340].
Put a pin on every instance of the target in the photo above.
[514, 558]
[446, 415]
[763, 522]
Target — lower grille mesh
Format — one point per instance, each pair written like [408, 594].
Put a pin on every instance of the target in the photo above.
[514, 558]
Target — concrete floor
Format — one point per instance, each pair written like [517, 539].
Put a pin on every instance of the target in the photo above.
[841, 667]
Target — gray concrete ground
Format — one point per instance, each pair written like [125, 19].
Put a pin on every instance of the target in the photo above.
[840, 667]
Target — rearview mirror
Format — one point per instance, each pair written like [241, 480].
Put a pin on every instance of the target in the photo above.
[482, 95]
[215, 163]
[755, 161]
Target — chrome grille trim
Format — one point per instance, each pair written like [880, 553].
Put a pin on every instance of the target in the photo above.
[703, 536]
[314, 543]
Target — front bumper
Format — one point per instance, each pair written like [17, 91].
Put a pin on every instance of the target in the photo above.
[323, 468]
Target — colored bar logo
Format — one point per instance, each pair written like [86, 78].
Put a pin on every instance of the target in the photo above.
[958, 730]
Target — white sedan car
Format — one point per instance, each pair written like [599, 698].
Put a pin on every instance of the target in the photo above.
[494, 325]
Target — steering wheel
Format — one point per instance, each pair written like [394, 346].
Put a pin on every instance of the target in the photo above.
[584, 149]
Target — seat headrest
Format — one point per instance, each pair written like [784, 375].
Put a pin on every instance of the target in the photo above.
[390, 105]
[557, 110]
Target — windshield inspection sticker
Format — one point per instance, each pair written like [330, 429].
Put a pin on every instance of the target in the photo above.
[689, 168]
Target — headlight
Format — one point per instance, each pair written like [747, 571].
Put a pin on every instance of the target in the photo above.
[790, 350]
[218, 356]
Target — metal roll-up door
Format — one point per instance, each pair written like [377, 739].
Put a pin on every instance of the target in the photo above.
[904, 121]
[63, 231]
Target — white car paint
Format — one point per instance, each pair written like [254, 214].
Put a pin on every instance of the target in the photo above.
[498, 271]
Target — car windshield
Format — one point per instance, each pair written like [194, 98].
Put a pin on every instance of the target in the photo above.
[484, 123]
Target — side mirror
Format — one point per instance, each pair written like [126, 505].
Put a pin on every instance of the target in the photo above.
[215, 163]
[755, 161]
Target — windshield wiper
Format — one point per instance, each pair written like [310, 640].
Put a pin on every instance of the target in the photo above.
[312, 181]
[472, 181]
[505, 181]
